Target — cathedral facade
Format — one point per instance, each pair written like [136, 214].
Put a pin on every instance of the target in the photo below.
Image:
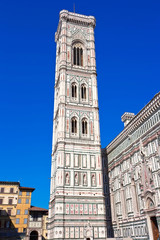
[77, 206]
[133, 161]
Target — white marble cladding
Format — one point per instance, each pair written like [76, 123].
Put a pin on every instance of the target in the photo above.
[77, 232]
[81, 170]
[35, 224]
[132, 137]
[142, 122]
[134, 174]
[137, 228]
[79, 208]
[76, 191]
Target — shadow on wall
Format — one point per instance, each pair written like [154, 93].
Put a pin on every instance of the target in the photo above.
[7, 229]
[106, 190]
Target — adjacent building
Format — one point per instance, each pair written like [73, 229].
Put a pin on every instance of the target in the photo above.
[8, 202]
[23, 205]
[37, 224]
[76, 208]
[18, 219]
[133, 162]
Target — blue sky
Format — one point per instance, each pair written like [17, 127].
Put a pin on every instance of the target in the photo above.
[128, 66]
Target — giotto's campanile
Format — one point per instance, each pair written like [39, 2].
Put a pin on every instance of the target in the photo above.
[76, 208]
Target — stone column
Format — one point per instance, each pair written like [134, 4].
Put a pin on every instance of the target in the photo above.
[134, 199]
[150, 232]
[39, 237]
[113, 207]
[123, 207]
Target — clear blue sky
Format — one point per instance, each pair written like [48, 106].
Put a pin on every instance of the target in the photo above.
[128, 65]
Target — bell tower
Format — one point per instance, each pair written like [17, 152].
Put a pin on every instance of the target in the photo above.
[76, 207]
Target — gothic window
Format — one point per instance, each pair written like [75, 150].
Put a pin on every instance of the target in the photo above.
[150, 203]
[83, 92]
[84, 126]
[78, 54]
[74, 125]
[74, 90]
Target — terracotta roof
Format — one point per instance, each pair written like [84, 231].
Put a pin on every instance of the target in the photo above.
[32, 208]
[27, 188]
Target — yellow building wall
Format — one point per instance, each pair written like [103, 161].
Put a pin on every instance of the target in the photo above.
[22, 207]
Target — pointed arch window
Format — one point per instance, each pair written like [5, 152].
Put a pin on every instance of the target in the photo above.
[84, 126]
[83, 92]
[74, 125]
[150, 203]
[74, 90]
[78, 55]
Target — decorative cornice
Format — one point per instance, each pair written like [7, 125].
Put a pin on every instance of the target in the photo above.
[77, 18]
[144, 114]
[66, 16]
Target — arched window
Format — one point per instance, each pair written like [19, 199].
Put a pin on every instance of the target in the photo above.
[77, 54]
[83, 92]
[150, 203]
[84, 126]
[74, 125]
[74, 90]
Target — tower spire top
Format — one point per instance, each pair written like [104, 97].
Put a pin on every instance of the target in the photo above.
[74, 7]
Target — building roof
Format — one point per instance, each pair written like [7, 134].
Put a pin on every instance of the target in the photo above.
[33, 208]
[9, 183]
[27, 189]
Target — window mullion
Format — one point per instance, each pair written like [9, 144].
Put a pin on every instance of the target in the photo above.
[84, 92]
[75, 126]
[80, 56]
[75, 91]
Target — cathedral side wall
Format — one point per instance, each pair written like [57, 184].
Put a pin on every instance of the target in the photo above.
[134, 175]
